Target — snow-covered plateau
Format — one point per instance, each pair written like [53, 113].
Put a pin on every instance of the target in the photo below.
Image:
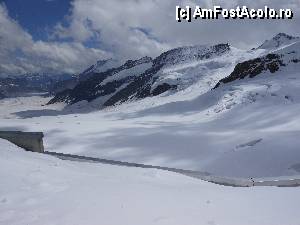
[37, 189]
[220, 110]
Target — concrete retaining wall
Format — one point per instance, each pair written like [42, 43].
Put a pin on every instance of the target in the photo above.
[33, 141]
[30, 141]
[292, 181]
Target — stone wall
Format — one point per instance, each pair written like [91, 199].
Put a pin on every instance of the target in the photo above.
[30, 141]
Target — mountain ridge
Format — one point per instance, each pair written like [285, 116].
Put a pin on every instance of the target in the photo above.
[179, 69]
[143, 85]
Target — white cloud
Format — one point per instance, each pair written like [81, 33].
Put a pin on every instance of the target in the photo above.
[19, 53]
[131, 29]
[114, 21]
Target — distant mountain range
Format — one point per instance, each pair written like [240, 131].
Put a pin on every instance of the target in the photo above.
[109, 82]
[176, 70]
[13, 86]
[271, 62]
[136, 78]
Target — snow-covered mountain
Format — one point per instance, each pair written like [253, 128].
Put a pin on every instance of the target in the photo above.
[180, 70]
[272, 62]
[104, 84]
[170, 72]
[99, 67]
[19, 85]
[146, 77]
[215, 109]
[229, 112]
[280, 40]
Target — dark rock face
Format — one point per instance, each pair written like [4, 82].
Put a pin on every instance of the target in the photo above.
[252, 68]
[178, 55]
[140, 87]
[135, 87]
[94, 87]
[60, 97]
[296, 60]
[88, 73]
[63, 85]
[162, 88]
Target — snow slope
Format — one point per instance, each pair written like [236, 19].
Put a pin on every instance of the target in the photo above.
[278, 41]
[172, 71]
[99, 67]
[38, 189]
[102, 86]
[247, 127]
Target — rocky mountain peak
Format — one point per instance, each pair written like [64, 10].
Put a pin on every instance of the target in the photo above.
[191, 53]
[131, 63]
[279, 40]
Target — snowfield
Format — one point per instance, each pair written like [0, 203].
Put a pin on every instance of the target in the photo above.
[248, 129]
[244, 128]
[38, 189]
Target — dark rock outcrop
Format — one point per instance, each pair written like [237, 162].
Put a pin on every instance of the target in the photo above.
[178, 55]
[94, 87]
[254, 67]
[138, 86]
[162, 88]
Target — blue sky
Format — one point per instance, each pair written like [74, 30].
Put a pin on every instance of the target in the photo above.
[37, 16]
[68, 36]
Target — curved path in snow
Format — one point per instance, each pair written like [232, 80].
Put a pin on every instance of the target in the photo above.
[226, 181]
